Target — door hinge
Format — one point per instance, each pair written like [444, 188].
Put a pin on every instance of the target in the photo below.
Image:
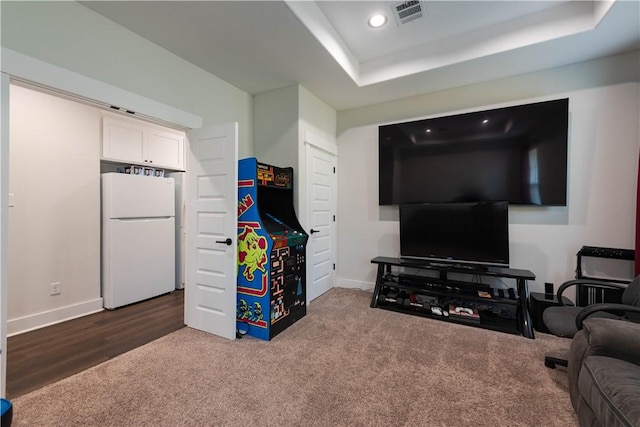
[334, 266]
[334, 218]
[334, 169]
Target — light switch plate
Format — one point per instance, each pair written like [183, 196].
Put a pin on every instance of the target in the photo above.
[12, 201]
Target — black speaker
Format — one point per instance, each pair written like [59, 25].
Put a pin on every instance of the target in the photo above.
[548, 289]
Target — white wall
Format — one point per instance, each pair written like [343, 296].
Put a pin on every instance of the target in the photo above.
[275, 125]
[54, 225]
[316, 116]
[281, 118]
[604, 138]
[74, 37]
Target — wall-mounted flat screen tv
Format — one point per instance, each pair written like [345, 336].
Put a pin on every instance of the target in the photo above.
[462, 233]
[517, 154]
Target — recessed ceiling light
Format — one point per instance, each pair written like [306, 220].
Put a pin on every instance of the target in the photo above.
[377, 21]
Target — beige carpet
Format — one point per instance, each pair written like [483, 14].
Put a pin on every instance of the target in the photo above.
[342, 364]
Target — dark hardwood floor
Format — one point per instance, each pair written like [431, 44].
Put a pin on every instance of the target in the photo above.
[43, 356]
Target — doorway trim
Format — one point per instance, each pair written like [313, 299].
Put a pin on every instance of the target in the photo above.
[4, 224]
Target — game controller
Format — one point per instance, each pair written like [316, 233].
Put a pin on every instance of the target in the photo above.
[466, 310]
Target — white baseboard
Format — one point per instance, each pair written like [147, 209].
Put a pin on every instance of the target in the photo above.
[51, 317]
[355, 284]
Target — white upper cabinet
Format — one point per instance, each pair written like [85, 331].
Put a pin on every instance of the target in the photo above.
[123, 141]
[135, 142]
[166, 148]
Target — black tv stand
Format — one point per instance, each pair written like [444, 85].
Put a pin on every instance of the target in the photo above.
[405, 286]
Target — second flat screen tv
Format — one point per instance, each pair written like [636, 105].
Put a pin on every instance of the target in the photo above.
[461, 233]
[517, 154]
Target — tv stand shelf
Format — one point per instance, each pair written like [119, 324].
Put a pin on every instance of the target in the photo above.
[459, 301]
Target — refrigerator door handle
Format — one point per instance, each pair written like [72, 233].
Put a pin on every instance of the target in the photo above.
[227, 242]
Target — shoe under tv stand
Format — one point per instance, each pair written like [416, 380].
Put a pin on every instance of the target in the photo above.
[454, 293]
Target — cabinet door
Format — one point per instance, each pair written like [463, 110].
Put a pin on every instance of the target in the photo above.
[123, 140]
[165, 149]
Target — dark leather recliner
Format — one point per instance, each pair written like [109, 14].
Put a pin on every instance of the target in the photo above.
[604, 373]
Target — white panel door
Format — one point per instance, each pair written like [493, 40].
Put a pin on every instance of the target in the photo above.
[212, 193]
[321, 208]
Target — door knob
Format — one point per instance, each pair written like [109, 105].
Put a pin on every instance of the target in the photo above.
[228, 242]
[314, 231]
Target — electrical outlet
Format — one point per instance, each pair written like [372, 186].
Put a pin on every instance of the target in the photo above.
[54, 288]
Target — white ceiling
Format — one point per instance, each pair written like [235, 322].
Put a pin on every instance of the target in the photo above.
[327, 46]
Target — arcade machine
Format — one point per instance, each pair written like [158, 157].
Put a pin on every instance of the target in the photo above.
[271, 251]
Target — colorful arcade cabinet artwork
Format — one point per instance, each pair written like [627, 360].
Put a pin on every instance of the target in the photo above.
[271, 251]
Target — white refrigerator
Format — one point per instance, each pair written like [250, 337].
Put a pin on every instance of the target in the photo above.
[138, 238]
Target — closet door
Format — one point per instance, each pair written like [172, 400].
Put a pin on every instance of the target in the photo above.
[321, 195]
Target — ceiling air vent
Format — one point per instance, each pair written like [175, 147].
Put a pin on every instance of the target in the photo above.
[408, 11]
